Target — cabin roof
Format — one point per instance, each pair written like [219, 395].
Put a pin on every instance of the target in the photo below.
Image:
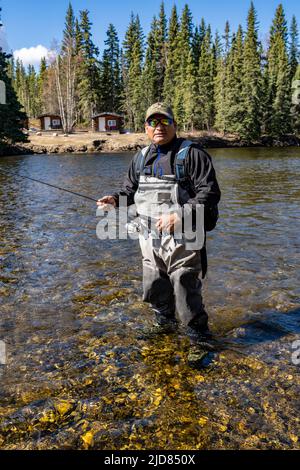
[49, 115]
[107, 114]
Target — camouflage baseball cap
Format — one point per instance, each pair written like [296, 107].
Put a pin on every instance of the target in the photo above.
[159, 108]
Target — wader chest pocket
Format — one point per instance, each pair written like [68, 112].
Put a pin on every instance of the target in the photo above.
[163, 197]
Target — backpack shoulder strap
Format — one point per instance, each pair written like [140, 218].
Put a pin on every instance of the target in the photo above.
[140, 161]
[180, 159]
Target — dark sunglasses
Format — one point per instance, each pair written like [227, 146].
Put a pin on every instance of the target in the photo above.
[164, 121]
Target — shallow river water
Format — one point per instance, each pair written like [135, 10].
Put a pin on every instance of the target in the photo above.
[75, 371]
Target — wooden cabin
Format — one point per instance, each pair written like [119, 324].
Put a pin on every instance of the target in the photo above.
[50, 122]
[105, 122]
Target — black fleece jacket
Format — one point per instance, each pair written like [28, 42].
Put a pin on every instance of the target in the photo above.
[204, 188]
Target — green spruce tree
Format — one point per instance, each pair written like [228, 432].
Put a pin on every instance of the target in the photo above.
[42, 76]
[11, 116]
[110, 78]
[205, 97]
[277, 119]
[197, 40]
[161, 50]
[20, 83]
[227, 38]
[220, 92]
[155, 60]
[293, 47]
[133, 46]
[234, 104]
[151, 84]
[172, 44]
[250, 128]
[69, 34]
[78, 38]
[182, 54]
[88, 71]
[190, 96]
[11, 70]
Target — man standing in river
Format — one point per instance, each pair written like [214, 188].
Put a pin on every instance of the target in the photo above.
[172, 173]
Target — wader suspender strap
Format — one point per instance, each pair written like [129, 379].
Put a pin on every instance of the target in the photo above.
[140, 161]
[180, 159]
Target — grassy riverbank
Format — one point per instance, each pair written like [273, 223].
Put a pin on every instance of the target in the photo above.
[88, 142]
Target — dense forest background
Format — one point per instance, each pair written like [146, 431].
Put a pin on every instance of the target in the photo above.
[228, 82]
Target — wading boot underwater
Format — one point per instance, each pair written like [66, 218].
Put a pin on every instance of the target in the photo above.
[157, 329]
[165, 322]
[202, 348]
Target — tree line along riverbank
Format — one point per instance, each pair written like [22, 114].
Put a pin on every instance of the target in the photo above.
[231, 83]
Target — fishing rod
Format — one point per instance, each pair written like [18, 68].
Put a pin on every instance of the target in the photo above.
[51, 185]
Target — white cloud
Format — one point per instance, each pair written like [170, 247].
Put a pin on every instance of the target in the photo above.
[31, 55]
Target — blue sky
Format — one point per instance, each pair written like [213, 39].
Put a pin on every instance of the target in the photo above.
[31, 23]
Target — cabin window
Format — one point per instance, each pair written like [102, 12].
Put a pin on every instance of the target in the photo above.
[56, 122]
[112, 123]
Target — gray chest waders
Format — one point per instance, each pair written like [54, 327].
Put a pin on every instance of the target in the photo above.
[170, 269]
